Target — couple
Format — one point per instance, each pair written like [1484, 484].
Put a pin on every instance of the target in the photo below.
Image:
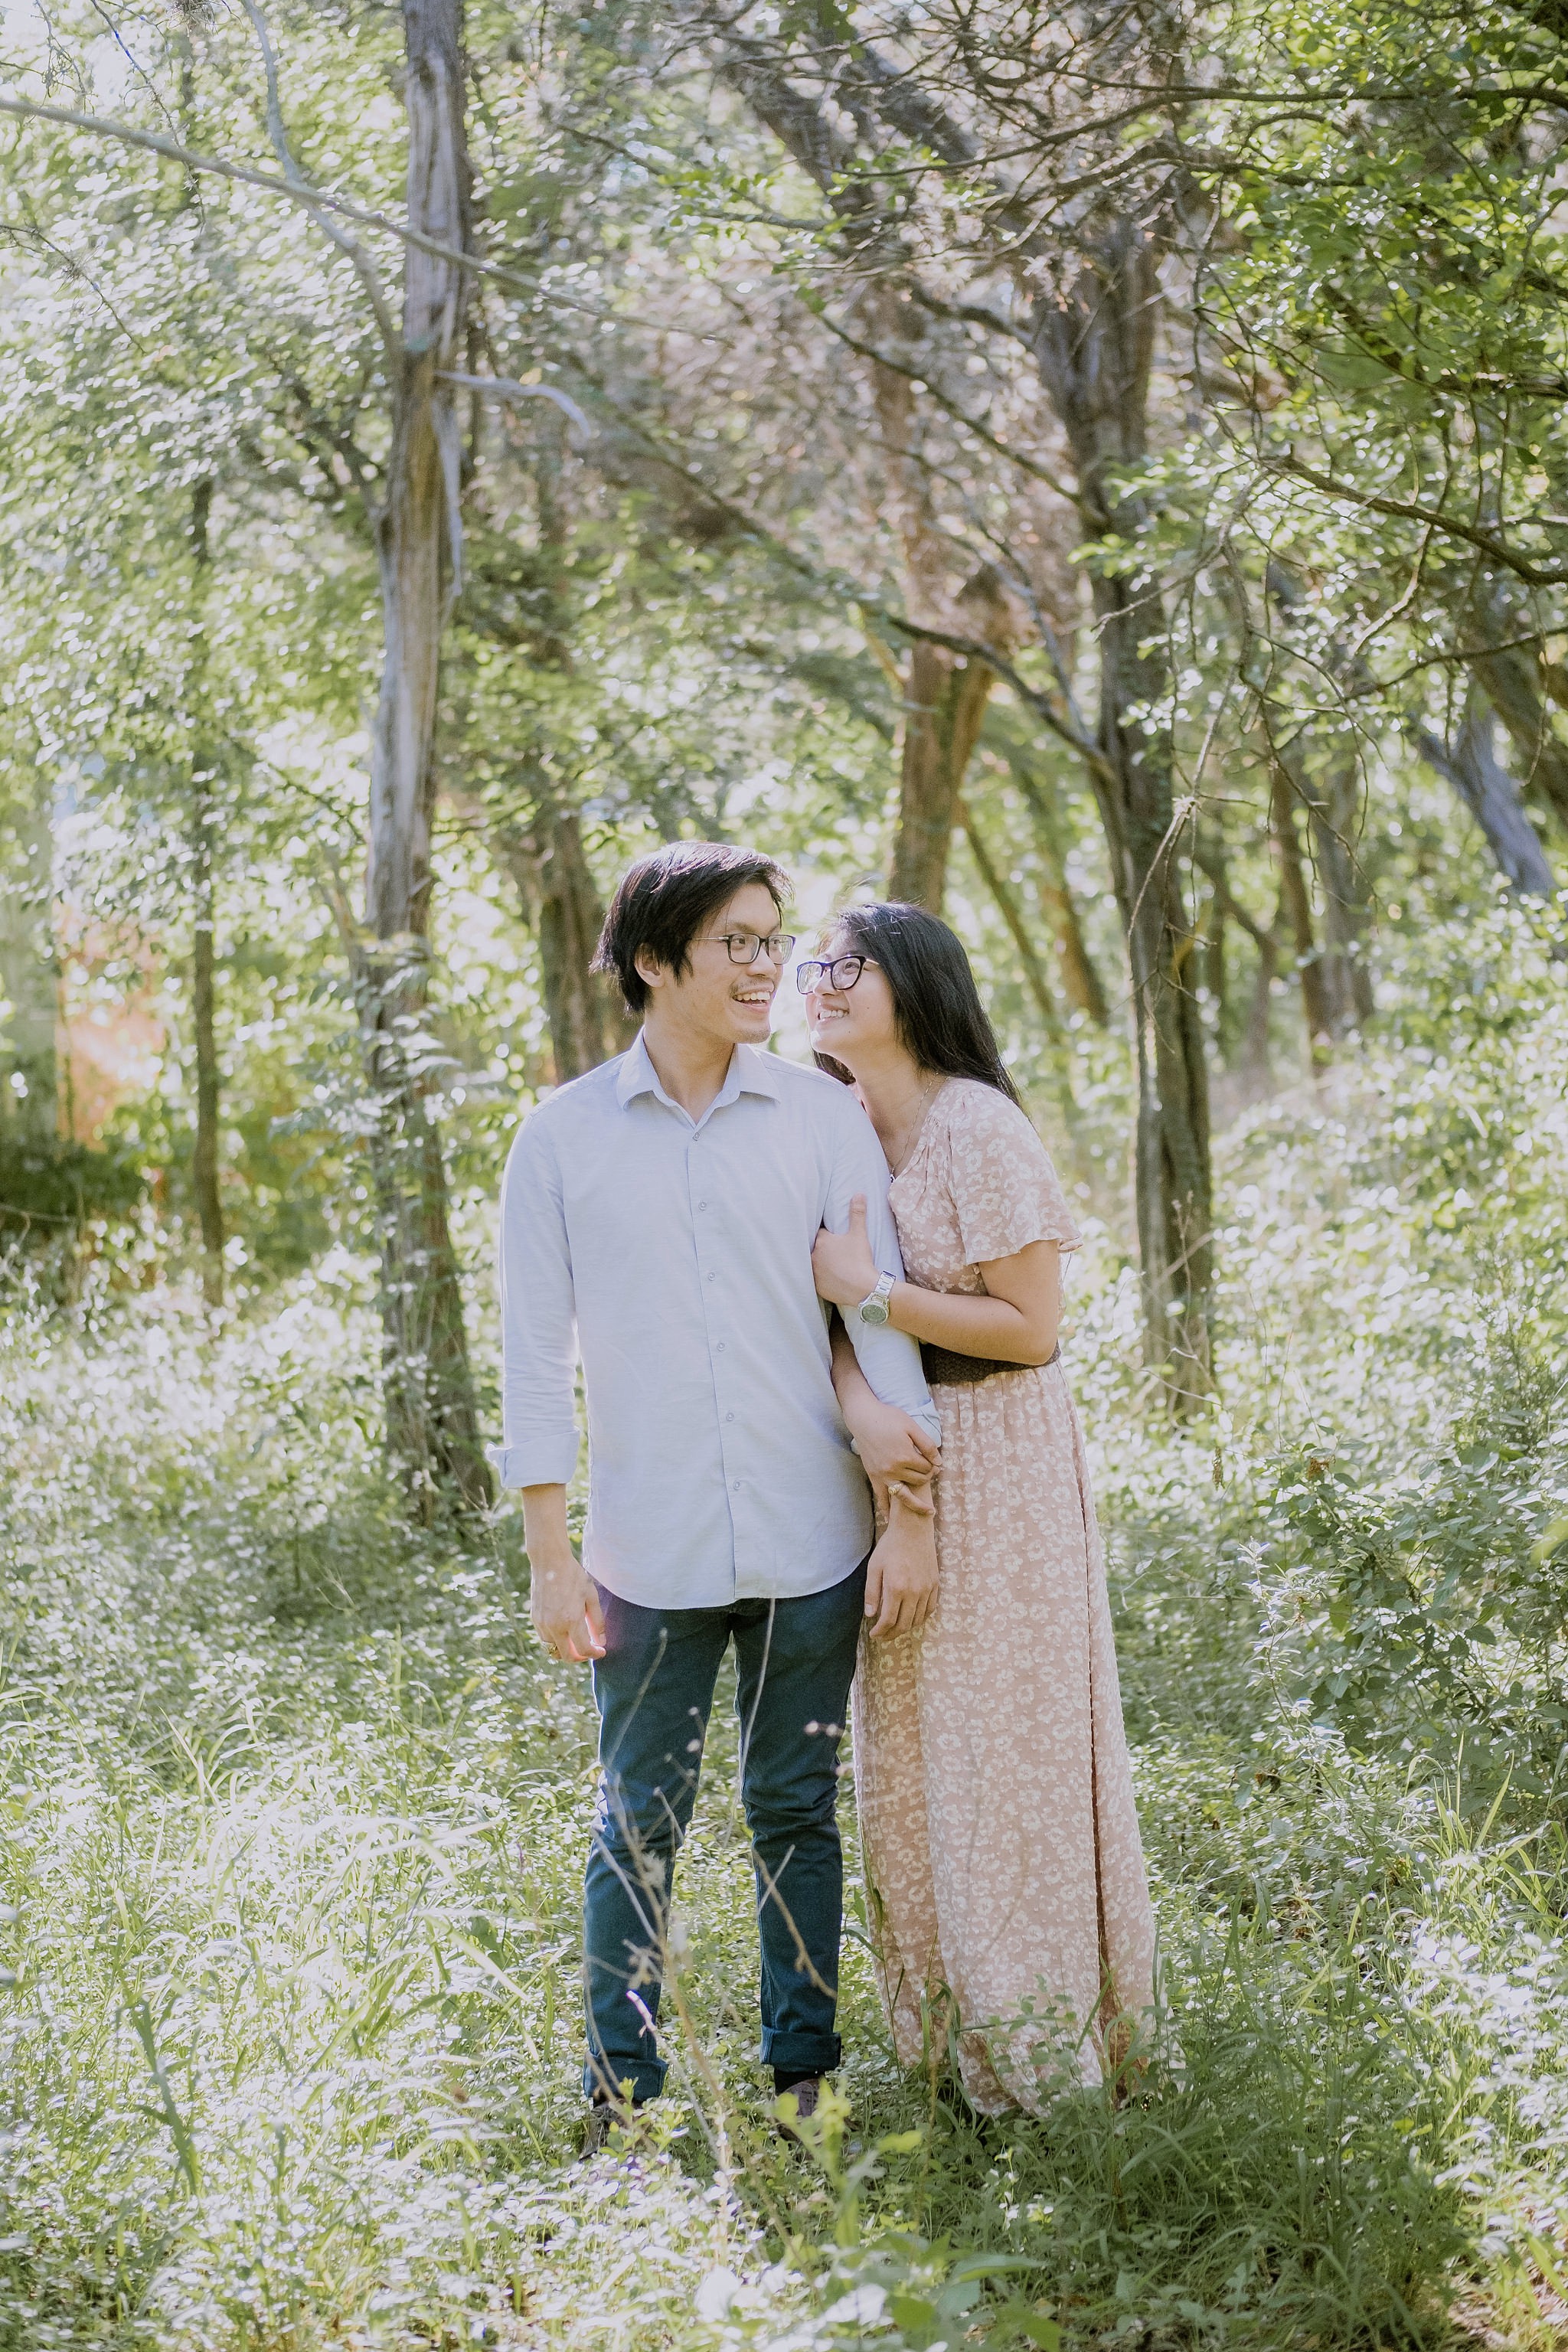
[687, 1218]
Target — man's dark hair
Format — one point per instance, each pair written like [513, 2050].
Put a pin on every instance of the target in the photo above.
[662, 902]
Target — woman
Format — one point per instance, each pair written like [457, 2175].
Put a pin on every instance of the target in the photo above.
[1001, 1839]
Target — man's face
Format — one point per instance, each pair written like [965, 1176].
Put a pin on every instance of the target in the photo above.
[714, 997]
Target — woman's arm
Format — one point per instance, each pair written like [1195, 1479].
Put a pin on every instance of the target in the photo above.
[894, 1450]
[1016, 1322]
[901, 1576]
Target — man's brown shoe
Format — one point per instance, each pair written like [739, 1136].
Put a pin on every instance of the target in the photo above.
[603, 2117]
[807, 2097]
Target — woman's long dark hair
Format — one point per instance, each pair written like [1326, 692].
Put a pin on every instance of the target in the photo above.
[940, 1020]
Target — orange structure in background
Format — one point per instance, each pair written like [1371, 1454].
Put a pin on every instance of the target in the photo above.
[111, 1041]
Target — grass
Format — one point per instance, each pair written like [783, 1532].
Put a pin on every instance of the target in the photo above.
[292, 1817]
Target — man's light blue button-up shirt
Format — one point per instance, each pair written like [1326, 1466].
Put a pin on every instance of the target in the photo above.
[675, 1256]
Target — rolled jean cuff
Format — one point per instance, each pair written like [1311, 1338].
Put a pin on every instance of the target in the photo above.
[809, 2054]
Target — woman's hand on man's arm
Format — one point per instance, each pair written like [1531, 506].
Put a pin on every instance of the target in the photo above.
[1013, 1319]
[843, 1264]
[895, 1453]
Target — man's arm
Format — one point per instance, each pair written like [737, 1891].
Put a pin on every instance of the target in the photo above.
[538, 1318]
[901, 1574]
[890, 1360]
[895, 1452]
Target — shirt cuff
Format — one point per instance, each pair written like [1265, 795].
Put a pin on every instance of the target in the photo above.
[547, 1462]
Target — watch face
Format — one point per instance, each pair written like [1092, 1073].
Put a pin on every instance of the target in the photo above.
[874, 1311]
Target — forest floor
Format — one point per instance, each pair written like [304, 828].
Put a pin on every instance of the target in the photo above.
[293, 1813]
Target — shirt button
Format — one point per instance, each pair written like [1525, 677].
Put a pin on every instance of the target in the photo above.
[737, 1485]
[702, 1204]
[720, 1349]
[711, 1278]
[728, 1416]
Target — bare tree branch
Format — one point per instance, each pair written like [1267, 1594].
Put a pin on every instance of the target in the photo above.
[369, 275]
[1411, 511]
[314, 201]
[506, 387]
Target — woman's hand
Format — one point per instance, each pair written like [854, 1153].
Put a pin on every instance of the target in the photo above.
[902, 1575]
[842, 1264]
[895, 1453]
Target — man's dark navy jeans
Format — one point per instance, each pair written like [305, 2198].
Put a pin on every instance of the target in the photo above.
[795, 1660]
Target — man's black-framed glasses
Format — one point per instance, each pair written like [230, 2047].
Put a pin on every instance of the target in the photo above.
[744, 947]
[835, 971]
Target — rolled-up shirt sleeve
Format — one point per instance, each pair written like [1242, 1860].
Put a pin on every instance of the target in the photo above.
[890, 1360]
[538, 1318]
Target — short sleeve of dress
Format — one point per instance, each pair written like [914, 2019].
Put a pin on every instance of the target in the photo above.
[1005, 1190]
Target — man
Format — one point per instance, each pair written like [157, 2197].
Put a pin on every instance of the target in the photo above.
[663, 1209]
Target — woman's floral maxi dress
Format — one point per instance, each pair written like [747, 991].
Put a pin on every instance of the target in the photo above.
[1009, 1902]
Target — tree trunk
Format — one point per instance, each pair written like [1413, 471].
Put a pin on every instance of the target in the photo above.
[926, 793]
[1512, 681]
[1334, 812]
[1081, 982]
[1093, 341]
[1325, 778]
[1296, 900]
[432, 1425]
[588, 1021]
[205, 1156]
[1216, 963]
[1173, 1185]
[29, 977]
[204, 958]
[1058, 1051]
[1332, 800]
[945, 705]
[561, 905]
[1254, 1066]
[944, 695]
[1471, 765]
[1011, 914]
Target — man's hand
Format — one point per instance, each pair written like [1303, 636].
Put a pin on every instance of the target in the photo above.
[565, 1611]
[901, 1574]
[842, 1264]
[561, 1600]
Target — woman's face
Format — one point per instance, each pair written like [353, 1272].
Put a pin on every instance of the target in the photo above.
[855, 1022]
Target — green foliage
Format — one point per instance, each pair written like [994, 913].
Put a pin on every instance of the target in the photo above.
[51, 1190]
[1384, 469]
[1409, 1544]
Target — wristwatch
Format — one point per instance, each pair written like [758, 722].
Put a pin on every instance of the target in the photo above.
[873, 1307]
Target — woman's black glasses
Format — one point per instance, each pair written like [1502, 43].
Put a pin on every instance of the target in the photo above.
[838, 972]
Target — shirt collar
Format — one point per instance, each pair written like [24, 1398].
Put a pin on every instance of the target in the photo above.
[749, 1073]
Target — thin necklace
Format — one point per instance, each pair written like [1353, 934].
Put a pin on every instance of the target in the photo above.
[923, 1105]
